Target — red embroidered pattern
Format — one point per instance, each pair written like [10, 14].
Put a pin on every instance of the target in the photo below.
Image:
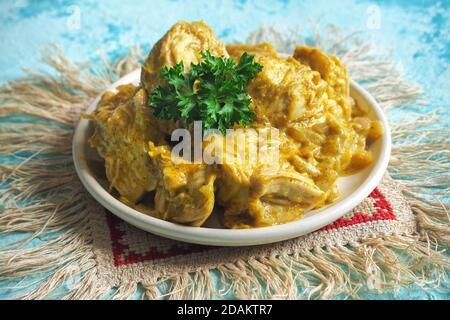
[131, 245]
[382, 210]
[154, 250]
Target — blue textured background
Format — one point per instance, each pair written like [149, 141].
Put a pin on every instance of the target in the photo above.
[417, 32]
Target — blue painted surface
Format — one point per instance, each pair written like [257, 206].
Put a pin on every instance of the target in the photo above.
[417, 32]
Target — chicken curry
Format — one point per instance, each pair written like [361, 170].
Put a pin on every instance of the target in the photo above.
[322, 135]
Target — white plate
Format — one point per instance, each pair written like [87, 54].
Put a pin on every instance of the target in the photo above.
[353, 189]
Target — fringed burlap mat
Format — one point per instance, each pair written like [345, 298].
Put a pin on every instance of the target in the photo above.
[127, 255]
[385, 242]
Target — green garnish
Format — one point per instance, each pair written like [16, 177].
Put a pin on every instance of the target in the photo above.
[213, 91]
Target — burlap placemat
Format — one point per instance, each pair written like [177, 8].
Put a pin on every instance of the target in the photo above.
[385, 242]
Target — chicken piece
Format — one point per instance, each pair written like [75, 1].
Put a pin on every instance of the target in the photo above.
[285, 90]
[263, 49]
[235, 163]
[281, 195]
[332, 70]
[257, 186]
[185, 192]
[343, 143]
[183, 42]
[123, 129]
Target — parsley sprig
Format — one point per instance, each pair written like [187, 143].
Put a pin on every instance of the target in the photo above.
[213, 91]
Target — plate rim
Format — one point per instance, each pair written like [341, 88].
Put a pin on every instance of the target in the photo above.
[231, 237]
